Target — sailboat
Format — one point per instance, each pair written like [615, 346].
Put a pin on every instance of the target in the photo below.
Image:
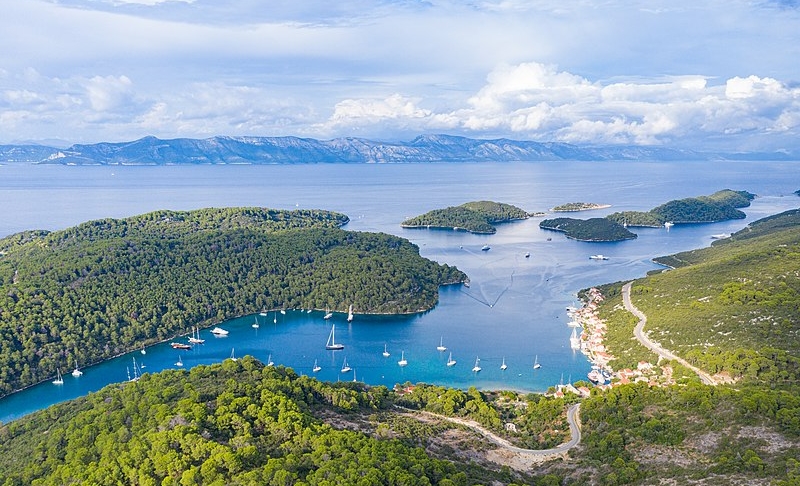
[345, 367]
[316, 367]
[135, 371]
[76, 372]
[255, 324]
[233, 357]
[59, 380]
[328, 314]
[385, 351]
[450, 360]
[354, 376]
[275, 318]
[574, 340]
[441, 346]
[402, 361]
[536, 364]
[477, 366]
[179, 362]
[331, 344]
[143, 350]
[350, 314]
[269, 361]
[264, 313]
[195, 339]
[503, 366]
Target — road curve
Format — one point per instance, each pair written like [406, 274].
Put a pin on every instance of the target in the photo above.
[638, 332]
[533, 455]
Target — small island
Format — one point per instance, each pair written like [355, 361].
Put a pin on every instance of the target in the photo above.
[579, 206]
[475, 217]
[591, 230]
[720, 206]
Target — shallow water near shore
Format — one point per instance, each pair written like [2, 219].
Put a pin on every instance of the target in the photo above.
[514, 308]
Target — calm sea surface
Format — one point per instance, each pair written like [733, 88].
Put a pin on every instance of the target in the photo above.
[514, 309]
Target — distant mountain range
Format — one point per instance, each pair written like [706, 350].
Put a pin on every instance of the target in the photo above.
[294, 150]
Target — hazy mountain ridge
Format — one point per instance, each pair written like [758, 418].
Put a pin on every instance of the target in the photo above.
[292, 150]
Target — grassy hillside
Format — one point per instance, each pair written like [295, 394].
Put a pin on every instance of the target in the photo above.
[94, 291]
[733, 307]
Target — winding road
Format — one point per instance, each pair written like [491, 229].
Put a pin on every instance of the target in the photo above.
[638, 331]
[528, 457]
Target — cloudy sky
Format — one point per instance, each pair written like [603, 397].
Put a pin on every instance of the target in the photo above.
[704, 75]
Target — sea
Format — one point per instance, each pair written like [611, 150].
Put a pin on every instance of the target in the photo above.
[514, 311]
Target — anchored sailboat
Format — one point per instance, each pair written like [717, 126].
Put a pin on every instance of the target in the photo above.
[574, 340]
[477, 366]
[350, 314]
[385, 351]
[316, 367]
[345, 367]
[76, 372]
[441, 346]
[195, 339]
[331, 344]
[536, 364]
[503, 366]
[402, 361]
[59, 380]
[450, 360]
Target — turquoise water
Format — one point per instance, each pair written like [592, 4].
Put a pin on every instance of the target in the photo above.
[514, 308]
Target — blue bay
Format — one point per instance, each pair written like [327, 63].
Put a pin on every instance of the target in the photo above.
[514, 308]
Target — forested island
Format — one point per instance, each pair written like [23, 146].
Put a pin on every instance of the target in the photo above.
[721, 206]
[475, 217]
[592, 230]
[579, 206]
[105, 287]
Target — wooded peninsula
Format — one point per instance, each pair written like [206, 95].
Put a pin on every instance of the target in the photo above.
[106, 287]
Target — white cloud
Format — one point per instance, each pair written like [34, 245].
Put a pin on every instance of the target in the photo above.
[640, 71]
[109, 92]
[535, 101]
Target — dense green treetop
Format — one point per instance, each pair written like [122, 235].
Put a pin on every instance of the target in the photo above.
[720, 206]
[592, 229]
[230, 423]
[105, 287]
[475, 217]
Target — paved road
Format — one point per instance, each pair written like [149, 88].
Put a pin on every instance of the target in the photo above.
[638, 331]
[535, 455]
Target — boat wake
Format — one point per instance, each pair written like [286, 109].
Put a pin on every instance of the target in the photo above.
[484, 300]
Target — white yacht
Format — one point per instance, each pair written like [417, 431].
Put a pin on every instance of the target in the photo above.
[477, 366]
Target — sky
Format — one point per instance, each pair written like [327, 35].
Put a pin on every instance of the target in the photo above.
[702, 75]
